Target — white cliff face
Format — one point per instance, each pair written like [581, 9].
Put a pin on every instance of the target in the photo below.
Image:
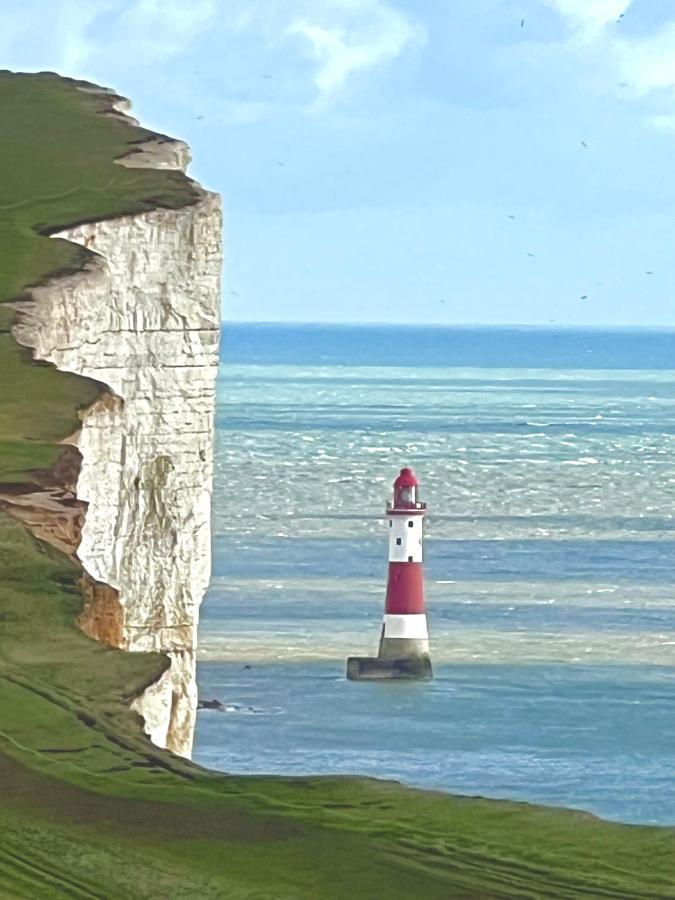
[143, 319]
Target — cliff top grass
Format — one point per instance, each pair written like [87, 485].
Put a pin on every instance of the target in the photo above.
[88, 807]
[57, 168]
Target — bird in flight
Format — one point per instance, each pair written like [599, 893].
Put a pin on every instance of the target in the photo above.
[511, 217]
[620, 18]
[199, 117]
[531, 254]
[279, 163]
[584, 296]
[584, 144]
[648, 272]
[522, 23]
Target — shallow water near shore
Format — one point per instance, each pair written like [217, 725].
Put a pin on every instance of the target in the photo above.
[549, 561]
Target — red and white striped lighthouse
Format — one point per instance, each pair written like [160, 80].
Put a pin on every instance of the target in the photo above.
[404, 630]
[404, 642]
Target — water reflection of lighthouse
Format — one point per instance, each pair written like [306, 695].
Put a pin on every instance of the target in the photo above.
[404, 642]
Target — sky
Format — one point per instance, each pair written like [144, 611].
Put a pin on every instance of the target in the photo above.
[425, 161]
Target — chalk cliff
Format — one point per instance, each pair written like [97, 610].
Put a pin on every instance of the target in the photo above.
[142, 318]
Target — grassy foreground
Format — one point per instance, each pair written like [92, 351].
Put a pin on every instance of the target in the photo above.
[88, 807]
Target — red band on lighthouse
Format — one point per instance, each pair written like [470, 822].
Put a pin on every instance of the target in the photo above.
[405, 588]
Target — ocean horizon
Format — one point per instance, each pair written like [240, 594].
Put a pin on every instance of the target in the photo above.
[546, 456]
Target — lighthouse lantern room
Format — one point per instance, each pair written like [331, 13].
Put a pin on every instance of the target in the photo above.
[404, 639]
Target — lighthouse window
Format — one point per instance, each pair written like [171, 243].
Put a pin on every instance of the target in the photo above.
[410, 523]
[408, 494]
[398, 541]
[410, 559]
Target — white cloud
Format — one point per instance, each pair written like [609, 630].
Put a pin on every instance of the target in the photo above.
[590, 16]
[341, 37]
[314, 47]
[648, 63]
[35, 36]
[665, 122]
[367, 34]
[161, 29]
[645, 63]
[72, 19]
[71, 35]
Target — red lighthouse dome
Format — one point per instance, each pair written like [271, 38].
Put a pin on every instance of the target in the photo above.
[406, 478]
[406, 491]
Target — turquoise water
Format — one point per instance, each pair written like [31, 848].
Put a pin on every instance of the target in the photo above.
[547, 460]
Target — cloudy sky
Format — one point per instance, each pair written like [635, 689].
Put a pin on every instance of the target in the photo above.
[474, 161]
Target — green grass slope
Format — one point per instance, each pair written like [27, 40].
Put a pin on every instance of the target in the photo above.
[88, 807]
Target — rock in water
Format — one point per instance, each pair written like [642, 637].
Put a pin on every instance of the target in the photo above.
[211, 704]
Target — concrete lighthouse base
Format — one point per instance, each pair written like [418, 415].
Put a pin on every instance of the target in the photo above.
[375, 668]
[397, 657]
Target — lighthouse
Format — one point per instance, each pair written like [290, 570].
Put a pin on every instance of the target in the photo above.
[404, 640]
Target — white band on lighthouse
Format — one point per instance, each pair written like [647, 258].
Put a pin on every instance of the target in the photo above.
[405, 539]
[412, 626]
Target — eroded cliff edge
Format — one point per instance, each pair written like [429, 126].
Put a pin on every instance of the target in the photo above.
[142, 318]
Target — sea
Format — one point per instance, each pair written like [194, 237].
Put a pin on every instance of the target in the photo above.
[547, 460]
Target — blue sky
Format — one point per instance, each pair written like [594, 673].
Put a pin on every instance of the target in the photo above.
[372, 153]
